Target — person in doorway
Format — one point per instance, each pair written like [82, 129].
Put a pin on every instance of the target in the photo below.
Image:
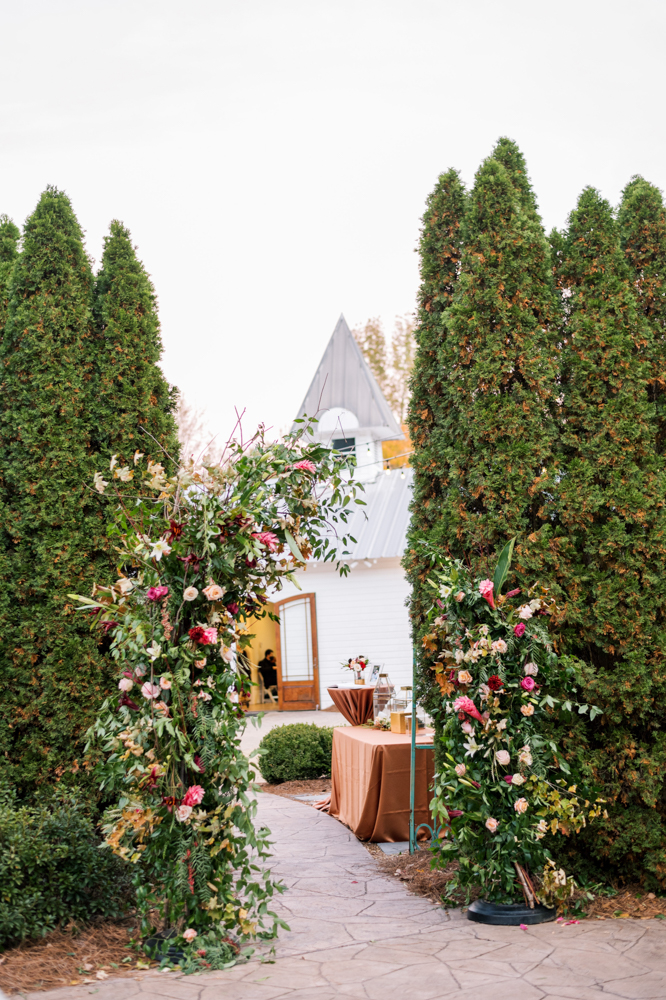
[268, 671]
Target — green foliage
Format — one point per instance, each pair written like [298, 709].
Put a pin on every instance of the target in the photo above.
[67, 388]
[300, 751]
[9, 237]
[130, 390]
[440, 249]
[52, 870]
[607, 546]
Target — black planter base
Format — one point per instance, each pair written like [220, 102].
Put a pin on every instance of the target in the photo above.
[158, 947]
[511, 914]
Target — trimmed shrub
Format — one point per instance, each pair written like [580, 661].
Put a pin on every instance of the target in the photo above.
[298, 752]
[52, 870]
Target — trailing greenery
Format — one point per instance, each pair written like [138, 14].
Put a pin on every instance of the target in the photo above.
[297, 752]
[52, 870]
[67, 388]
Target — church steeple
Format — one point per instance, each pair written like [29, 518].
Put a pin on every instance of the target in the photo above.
[351, 408]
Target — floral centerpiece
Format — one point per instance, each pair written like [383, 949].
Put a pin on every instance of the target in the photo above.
[197, 554]
[357, 665]
[503, 782]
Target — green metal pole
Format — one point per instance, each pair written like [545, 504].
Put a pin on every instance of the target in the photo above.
[412, 766]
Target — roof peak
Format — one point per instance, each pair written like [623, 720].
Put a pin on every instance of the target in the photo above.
[343, 379]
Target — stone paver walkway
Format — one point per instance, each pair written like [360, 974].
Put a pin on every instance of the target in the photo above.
[357, 934]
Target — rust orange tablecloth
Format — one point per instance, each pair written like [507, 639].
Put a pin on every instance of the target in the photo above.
[355, 703]
[370, 783]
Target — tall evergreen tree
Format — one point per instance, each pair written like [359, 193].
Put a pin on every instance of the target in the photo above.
[497, 438]
[642, 222]
[611, 549]
[9, 237]
[132, 395]
[440, 254]
[509, 155]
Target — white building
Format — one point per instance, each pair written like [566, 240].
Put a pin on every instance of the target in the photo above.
[334, 618]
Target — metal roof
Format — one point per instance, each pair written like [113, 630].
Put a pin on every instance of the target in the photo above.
[344, 379]
[380, 528]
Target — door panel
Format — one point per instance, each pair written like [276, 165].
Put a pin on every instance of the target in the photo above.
[296, 641]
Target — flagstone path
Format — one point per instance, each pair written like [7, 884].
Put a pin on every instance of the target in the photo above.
[357, 934]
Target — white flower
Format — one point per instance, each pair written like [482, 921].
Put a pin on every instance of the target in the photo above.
[517, 779]
[499, 646]
[535, 604]
[183, 813]
[137, 456]
[445, 592]
[471, 747]
[113, 463]
[492, 824]
[525, 755]
[160, 548]
[484, 629]
[124, 474]
[484, 692]
[210, 681]
[190, 594]
[99, 483]
[525, 612]
[154, 651]
[150, 691]
[125, 683]
[531, 669]
[503, 757]
[527, 710]
[468, 728]
[501, 725]
[460, 770]
[227, 654]
[542, 827]
[204, 696]
[520, 805]
[460, 656]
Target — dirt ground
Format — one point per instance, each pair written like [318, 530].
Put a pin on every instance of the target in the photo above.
[72, 957]
[320, 786]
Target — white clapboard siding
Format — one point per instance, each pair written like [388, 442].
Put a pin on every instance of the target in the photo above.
[363, 613]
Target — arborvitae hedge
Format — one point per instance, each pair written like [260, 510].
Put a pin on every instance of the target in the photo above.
[9, 237]
[497, 436]
[71, 391]
[131, 391]
[441, 249]
[611, 558]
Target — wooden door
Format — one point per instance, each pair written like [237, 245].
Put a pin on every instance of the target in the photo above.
[296, 652]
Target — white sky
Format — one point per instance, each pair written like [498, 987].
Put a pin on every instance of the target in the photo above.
[272, 157]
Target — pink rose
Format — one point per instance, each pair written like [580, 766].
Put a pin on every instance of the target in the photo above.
[519, 629]
[193, 796]
[305, 465]
[125, 684]
[508, 778]
[466, 704]
[269, 538]
[213, 592]
[150, 691]
[165, 683]
[528, 683]
[157, 593]
[183, 813]
[520, 805]
[492, 824]
[209, 637]
[190, 935]
[486, 590]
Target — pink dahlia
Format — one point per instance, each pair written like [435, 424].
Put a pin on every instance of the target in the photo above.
[157, 593]
[193, 796]
[486, 590]
[465, 704]
[519, 629]
[269, 538]
[305, 465]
